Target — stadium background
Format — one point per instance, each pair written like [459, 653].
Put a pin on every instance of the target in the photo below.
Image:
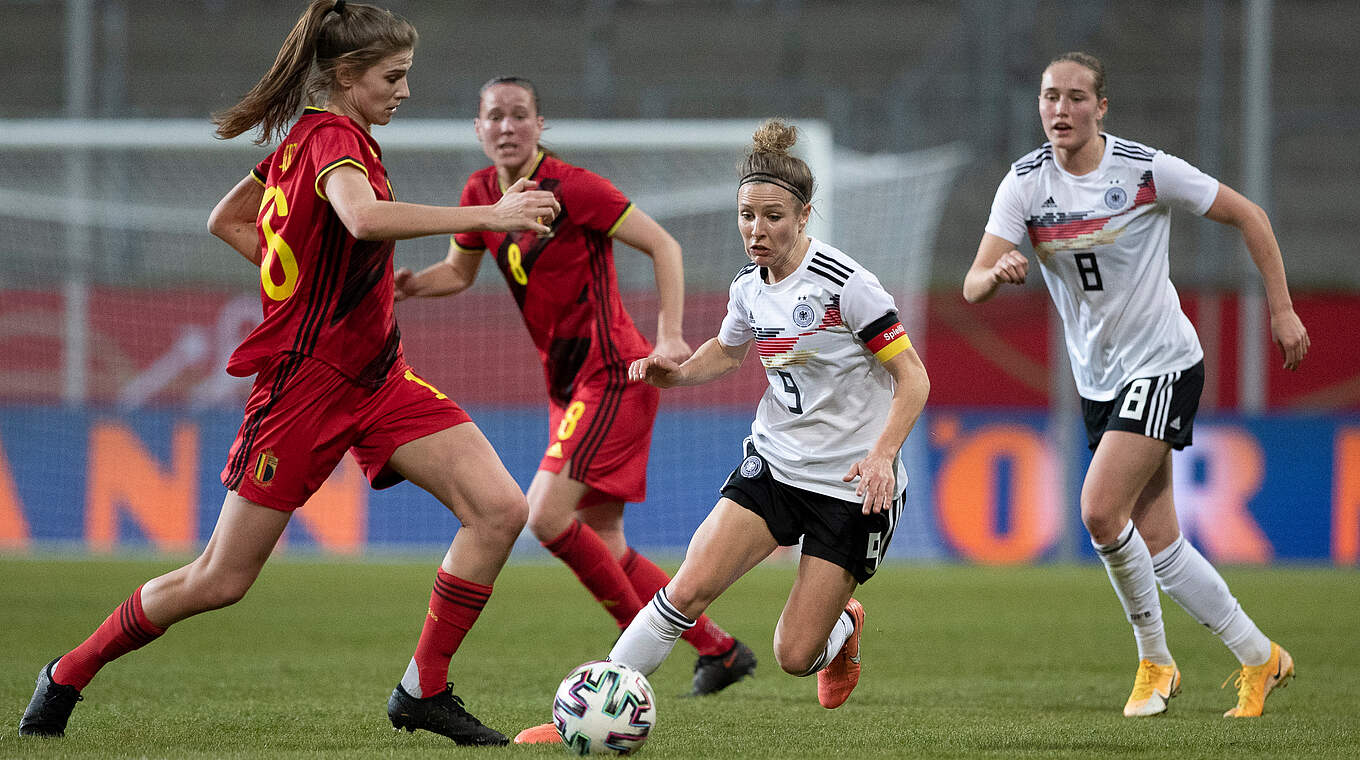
[116, 308]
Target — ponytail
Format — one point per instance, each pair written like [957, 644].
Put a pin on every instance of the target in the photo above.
[329, 35]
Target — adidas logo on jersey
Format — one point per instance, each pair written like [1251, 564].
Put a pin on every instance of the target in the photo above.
[1174, 424]
[1050, 203]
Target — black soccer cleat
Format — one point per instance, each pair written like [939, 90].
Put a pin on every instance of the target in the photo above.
[51, 706]
[442, 714]
[715, 672]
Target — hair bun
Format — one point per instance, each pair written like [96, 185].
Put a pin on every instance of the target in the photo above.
[774, 136]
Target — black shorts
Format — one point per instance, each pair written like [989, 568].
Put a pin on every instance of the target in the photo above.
[832, 529]
[1161, 407]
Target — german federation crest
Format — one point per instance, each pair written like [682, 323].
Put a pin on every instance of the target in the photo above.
[752, 466]
[1115, 198]
[803, 315]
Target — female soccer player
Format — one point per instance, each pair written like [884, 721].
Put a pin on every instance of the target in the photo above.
[821, 464]
[600, 427]
[1097, 210]
[330, 374]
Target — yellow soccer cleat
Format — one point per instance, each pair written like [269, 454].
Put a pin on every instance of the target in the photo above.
[1153, 687]
[1255, 682]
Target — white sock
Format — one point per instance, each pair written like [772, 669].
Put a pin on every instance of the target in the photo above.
[1187, 577]
[651, 636]
[1130, 569]
[840, 632]
[410, 680]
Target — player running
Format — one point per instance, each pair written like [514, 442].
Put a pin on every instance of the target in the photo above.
[1096, 208]
[599, 427]
[821, 464]
[318, 219]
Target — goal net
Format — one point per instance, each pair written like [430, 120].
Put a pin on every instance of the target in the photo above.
[113, 295]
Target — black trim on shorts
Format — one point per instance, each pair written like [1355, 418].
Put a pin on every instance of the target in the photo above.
[1161, 407]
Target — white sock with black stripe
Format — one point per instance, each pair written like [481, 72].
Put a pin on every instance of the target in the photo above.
[651, 636]
[1187, 577]
[1129, 566]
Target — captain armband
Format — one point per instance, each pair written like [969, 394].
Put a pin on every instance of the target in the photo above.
[885, 337]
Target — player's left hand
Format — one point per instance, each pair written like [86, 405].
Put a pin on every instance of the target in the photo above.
[1291, 336]
[402, 284]
[877, 482]
[673, 348]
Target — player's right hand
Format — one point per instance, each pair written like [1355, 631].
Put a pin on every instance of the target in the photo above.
[523, 207]
[402, 281]
[654, 370]
[1011, 268]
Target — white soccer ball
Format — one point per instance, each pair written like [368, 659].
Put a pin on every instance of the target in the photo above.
[604, 708]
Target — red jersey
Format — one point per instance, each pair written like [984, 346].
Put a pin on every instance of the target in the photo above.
[325, 293]
[565, 282]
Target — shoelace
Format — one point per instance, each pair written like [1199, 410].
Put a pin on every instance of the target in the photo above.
[1142, 682]
[1245, 686]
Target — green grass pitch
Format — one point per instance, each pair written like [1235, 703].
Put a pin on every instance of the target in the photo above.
[959, 662]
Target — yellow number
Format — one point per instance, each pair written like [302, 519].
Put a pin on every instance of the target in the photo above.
[513, 258]
[412, 377]
[276, 248]
[569, 420]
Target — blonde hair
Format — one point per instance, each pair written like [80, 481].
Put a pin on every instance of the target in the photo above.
[769, 160]
[328, 37]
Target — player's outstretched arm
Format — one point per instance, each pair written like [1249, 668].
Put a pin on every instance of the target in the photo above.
[643, 233]
[233, 218]
[451, 276]
[997, 263]
[1232, 208]
[877, 472]
[713, 360]
[367, 218]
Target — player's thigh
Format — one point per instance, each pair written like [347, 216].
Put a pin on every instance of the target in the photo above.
[729, 542]
[818, 597]
[1121, 467]
[458, 466]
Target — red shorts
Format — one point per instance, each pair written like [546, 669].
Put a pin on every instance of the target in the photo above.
[606, 434]
[303, 414]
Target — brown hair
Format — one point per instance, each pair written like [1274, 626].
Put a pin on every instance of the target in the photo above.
[519, 82]
[321, 44]
[769, 160]
[1089, 61]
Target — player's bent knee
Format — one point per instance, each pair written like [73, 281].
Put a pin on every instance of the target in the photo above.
[793, 661]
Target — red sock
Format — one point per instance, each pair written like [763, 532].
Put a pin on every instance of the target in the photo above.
[647, 579]
[123, 631]
[454, 607]
[589, 557]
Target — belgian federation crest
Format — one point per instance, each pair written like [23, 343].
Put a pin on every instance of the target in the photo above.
[752, 466]
[266, 465]
[1115, 198]
[804, 315]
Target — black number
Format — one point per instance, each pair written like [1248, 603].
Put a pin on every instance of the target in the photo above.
[791, 388]
[1090, 272]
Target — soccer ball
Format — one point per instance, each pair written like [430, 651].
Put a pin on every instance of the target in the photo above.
[604, 708]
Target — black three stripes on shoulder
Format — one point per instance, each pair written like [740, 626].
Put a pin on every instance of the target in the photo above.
[1131, 151]
[1033, 161]
[830, 268]
[750, 267]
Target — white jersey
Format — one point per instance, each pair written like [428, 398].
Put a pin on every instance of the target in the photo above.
[1102, 241]
[828, 397]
